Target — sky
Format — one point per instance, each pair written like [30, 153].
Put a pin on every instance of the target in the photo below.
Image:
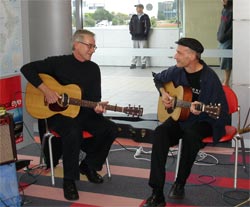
[124, 6]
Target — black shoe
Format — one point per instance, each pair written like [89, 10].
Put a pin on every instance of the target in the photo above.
[133, 66]
[177, 191]
[155, 201]
[91, 174]
[70, 190]
[143, 66]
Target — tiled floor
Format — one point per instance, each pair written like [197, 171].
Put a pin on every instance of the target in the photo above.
[123, 86]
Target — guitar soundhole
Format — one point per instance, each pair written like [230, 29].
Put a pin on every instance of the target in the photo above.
[170, 110]
[64, 100]
[55, 107]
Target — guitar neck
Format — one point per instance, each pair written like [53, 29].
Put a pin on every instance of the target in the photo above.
[187, 104]
[91, 104]
[182, 98]
[183, 104]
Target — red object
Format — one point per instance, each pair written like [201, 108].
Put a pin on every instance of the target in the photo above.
[231, 131]
[231, 134]
[10, 90]
[85, 134]
[11, 100]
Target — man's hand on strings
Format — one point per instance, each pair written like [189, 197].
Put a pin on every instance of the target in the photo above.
[167, 100]
[50, 96]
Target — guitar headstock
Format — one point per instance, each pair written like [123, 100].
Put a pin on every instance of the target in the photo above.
[133, 110]
[213, 110]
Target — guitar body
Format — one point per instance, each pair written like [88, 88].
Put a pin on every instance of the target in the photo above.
[178, 93]
[35, 101]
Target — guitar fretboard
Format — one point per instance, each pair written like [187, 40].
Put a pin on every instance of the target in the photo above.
[183, 104]
[91, 104]
[186, 104]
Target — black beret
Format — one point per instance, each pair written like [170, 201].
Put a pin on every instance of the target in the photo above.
[191, 43]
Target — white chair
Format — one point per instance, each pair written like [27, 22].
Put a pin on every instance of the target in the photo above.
[52, 134]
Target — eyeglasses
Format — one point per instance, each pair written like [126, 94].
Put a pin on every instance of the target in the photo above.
[90, 46]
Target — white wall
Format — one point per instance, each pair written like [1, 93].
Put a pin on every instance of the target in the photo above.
[241, 60]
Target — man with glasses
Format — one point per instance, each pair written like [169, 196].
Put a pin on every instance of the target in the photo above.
[77, 68]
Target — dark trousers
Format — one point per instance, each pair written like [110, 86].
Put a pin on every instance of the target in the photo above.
[167, 135]
[97, 148]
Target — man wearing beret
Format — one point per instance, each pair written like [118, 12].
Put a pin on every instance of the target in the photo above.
[205, 87]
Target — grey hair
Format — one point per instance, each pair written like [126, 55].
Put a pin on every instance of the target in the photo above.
[79, 36]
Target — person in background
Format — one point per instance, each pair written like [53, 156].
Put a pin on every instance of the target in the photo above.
[205, 87]
[77, 68]
[225, 37]
[139, 27]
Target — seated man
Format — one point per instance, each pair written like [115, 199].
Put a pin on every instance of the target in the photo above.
[77, 68]
[205, 87]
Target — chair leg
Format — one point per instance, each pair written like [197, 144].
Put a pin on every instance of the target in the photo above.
[108, 168]
[42, 157]
[51, 160]
[236, 162]
[178, 158]
[243, 153]
[50, 137]
[238, 139]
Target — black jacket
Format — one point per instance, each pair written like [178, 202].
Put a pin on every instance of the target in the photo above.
[225, 30]
[211, 92]
[139, 28]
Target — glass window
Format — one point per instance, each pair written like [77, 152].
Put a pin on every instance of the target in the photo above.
[170, 20]
[103, 13]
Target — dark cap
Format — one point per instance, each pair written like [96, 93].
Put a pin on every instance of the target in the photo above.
[139, 5]
[191, 43]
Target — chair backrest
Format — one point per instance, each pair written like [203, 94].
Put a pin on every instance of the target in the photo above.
[232, 99]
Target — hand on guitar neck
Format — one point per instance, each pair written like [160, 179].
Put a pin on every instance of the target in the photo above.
[176, 102]
[169, 102]
[196, 107]
[101, 107]
[53, 98]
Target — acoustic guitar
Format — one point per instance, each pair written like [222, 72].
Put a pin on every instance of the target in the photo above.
[68, 105]
[181, 102]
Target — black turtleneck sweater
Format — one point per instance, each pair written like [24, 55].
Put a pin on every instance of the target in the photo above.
[66, 70]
